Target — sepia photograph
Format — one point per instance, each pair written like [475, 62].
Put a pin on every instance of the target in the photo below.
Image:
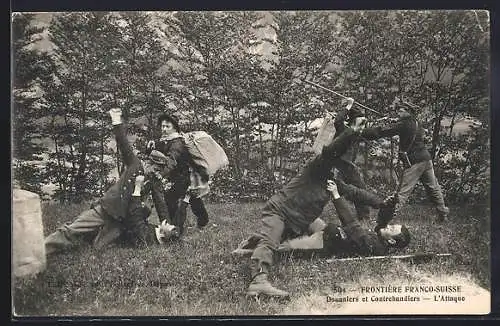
[250, 163]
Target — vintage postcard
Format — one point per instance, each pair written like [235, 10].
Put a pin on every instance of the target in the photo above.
[240, 163]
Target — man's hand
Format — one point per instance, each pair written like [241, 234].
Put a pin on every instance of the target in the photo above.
[391, 201]
[350, 102]
[387, 211]
[331, 186]
[139, 182]
[151, 145]
[168, 231]
[116, 116]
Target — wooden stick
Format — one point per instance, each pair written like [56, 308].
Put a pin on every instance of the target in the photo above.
[424, 255]
[343, 96]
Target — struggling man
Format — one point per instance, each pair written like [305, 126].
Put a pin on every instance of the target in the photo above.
[414, 156]
[349, 172]
[291, 210]
[180, 169]
[121, 210]
[347, 239]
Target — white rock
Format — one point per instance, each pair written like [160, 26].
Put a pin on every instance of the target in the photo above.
[28, 249]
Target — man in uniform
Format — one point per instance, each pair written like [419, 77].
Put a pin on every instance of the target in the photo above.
[111, 215]
[414, 155]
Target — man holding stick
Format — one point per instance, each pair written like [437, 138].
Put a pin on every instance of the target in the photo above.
[349, 172]
[290, 211]
[414, 156]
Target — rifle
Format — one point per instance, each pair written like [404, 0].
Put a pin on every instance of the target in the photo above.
[417, 257]
[343, 96]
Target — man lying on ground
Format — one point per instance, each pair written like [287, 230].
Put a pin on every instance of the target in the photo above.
[347, 239]
[291, 210]
[120, 209]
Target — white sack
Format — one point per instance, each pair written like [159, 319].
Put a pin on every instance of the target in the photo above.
[28, 249]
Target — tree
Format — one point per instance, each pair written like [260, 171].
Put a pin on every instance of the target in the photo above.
[214, 81]
[306, 46]
[238, 75]
[437, 60]
[30, 67]
[84, 44]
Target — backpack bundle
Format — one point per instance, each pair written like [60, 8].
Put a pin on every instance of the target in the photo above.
[325, 133]
[205, 151]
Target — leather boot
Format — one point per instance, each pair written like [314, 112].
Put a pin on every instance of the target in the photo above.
[261, 285]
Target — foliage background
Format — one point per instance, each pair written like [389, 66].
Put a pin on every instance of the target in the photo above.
[238, 76]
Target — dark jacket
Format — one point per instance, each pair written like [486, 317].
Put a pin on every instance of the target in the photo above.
[117, 198]
[350, 238]
[302, 200]
[358, 195]
[407, 129]
[178, 160]
[339, 123]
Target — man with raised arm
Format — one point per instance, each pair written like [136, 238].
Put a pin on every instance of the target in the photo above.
[289, 212]
[349, 171]
[414, 156]
[121, 210]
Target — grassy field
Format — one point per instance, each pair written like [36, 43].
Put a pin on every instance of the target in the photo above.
[198, 276]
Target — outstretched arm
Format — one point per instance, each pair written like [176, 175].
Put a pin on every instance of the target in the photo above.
[356, 194]
[124, 147]
[389, 130]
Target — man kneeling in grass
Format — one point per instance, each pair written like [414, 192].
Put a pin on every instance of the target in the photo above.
[346, 240]
[121, 210]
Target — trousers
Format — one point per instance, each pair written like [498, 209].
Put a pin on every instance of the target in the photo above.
[93, 220]
[423, 171]
[272, 232]
[173, 198]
